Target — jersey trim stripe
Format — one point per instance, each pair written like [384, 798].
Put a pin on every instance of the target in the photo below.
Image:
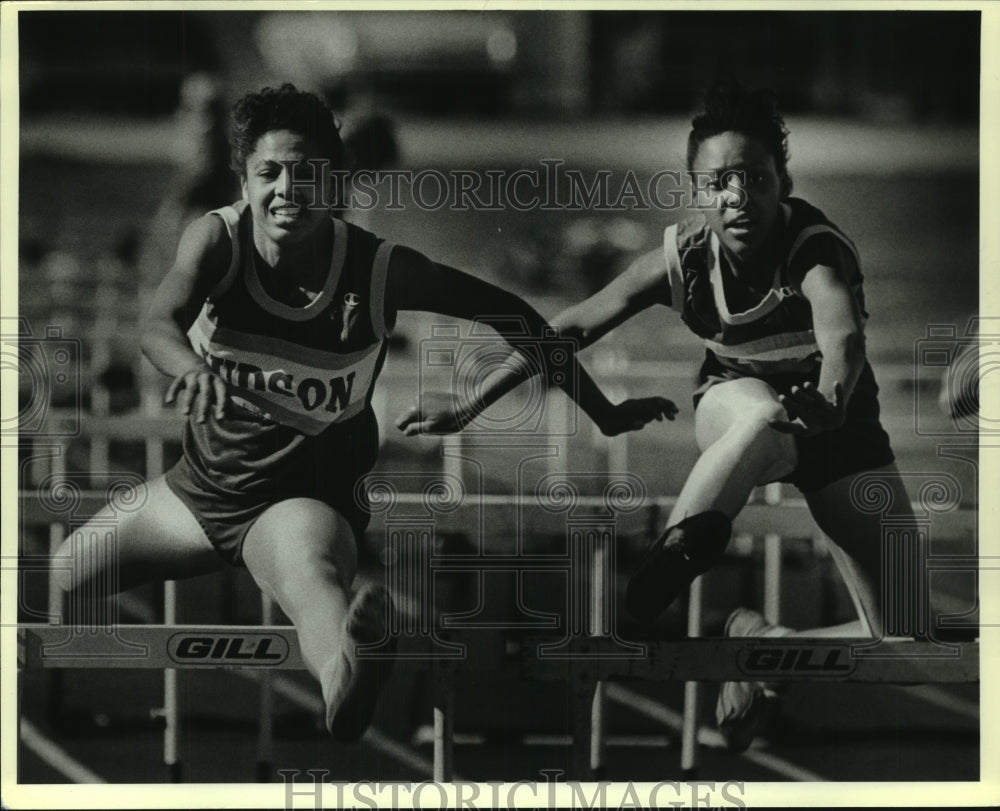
[765, 306]
[298, 394]
[783, 346]
[230, 217]
[674, 270]
[318, 304]
[248, 342]
[380, 273]
[812, 230]
[298, 381]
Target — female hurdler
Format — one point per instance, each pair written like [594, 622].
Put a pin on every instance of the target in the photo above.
[272, 324]
[774, 289]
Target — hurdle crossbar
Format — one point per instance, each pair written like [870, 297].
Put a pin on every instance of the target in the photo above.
[711, 659]
[202, 647]
[894, 661]
[158, 647]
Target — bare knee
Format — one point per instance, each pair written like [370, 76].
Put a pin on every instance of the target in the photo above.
[316, 562]
[77, 562]
[297, 580]
[753, 433]
[295, 548]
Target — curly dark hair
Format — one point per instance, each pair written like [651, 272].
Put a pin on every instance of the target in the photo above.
[730, 107]
[284, 108]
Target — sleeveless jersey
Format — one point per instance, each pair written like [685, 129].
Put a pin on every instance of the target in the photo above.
[775, 335]
[300, 379]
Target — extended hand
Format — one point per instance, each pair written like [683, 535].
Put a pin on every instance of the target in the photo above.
[199, 389]
[432, 414]
[631, 415]
[810, 412]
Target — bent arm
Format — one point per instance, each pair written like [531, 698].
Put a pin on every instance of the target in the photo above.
[839, 328]
[202, 256]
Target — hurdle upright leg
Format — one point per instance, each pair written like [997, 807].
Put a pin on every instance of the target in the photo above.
[772, 560]
[597, 708]
[55, 704]
[689, 727]
[444, 722]
[170, 708]
[586, 693]
[772, 578]
[600, 592]
[265, 725]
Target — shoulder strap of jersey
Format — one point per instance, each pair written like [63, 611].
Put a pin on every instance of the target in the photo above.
[380, 273]
[325, 297]
[674, 269]
[812, 230]
[814, 222]
[230, 216]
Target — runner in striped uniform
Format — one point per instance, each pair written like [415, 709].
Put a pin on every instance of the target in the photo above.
[273, 325]
[774, 289]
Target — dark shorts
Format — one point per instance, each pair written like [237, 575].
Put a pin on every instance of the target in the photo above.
[858, 445]
[329, 470]
[226, 519]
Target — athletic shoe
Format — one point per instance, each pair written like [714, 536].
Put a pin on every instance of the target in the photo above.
[686, 550]
[352, 683]
[744, 707]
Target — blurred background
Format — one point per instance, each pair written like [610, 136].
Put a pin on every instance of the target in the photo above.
[123, 119]
[876, 66]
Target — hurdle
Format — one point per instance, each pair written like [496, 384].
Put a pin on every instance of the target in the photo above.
[584, 659]
[271, 648]
[587, 660]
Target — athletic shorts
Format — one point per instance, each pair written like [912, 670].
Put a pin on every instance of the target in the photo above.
[227, 515]
[858, 445]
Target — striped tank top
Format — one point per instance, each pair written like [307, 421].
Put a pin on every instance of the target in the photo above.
[300, 378]
[775, 334]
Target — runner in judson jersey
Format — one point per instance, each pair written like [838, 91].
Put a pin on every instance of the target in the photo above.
[272, 323]
[774, 289]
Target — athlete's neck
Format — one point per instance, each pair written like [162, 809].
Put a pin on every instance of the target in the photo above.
[304, 262]
[757, 271]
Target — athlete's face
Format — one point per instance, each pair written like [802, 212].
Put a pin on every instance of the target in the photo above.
[741, 189]
[285, 192]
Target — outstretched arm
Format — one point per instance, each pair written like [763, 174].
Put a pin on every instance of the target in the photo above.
[416, 283]
[643, 284]
[839, 328]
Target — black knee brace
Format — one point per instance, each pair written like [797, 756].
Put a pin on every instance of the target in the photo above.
[678, 556]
